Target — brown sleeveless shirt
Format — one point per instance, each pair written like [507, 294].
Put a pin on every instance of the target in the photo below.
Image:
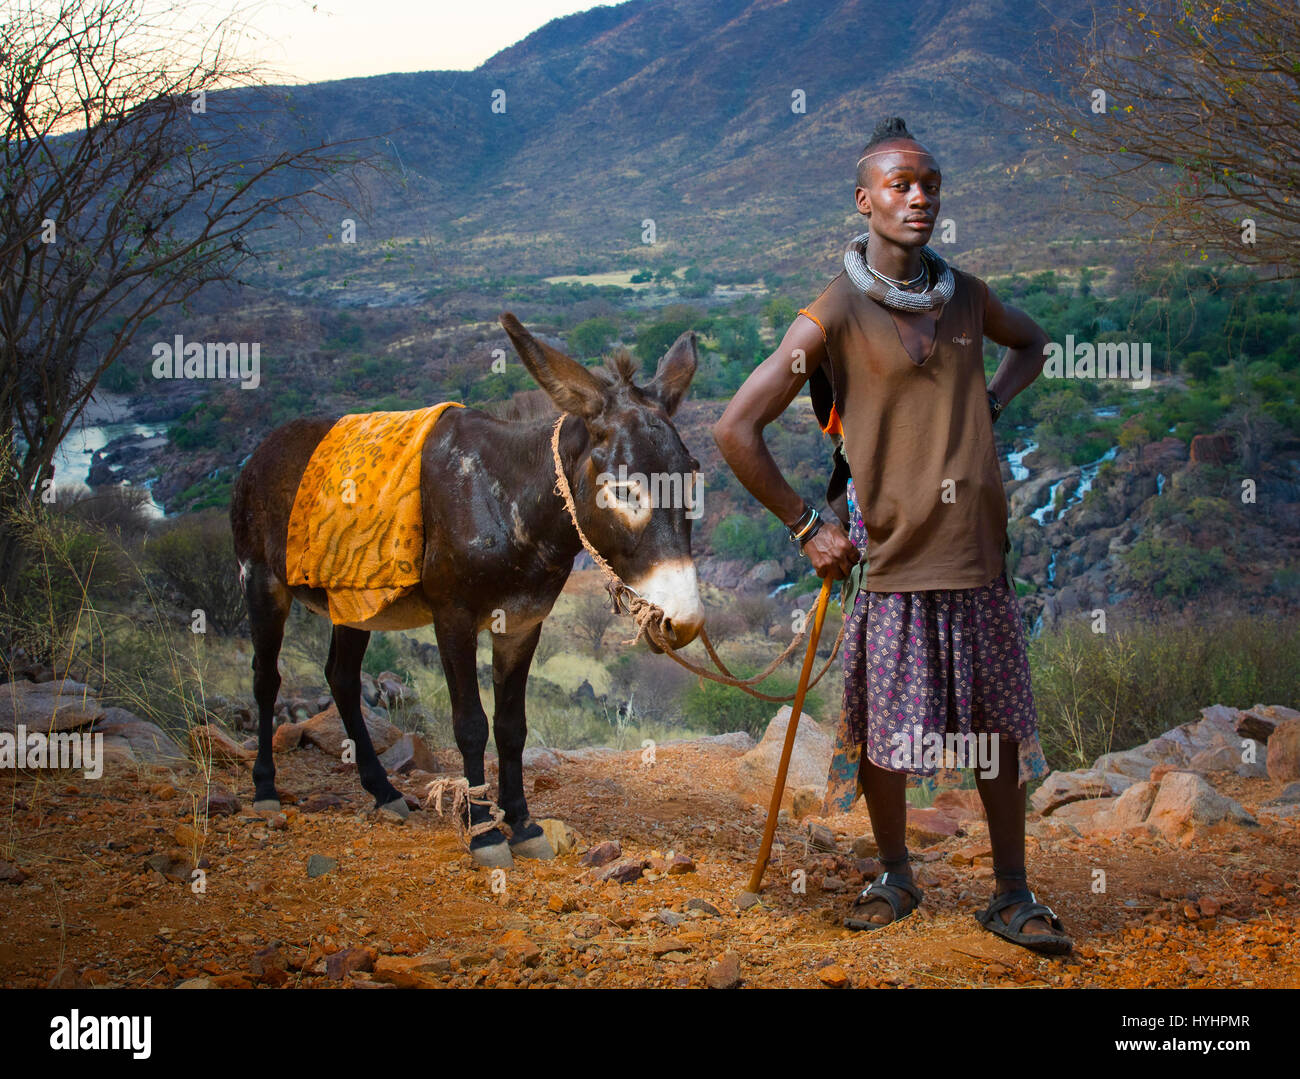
[918, 438]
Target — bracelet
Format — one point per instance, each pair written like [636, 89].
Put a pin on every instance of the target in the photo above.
[802, 521]
[804, 534]
[811, 531]
[995, 406]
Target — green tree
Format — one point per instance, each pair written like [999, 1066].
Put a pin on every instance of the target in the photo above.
[590, 339]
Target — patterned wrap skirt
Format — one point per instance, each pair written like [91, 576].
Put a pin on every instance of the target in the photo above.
[922, 665]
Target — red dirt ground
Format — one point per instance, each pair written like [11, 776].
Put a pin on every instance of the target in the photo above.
[91, 912]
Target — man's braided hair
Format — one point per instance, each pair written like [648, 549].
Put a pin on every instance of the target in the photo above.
[889, 129]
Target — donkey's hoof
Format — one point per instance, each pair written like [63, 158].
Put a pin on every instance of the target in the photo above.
[396, 808]
[496, 856]
[536, 847]
[267, 805]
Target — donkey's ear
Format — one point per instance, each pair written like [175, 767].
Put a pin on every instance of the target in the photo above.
[675, 372]
[570, 385]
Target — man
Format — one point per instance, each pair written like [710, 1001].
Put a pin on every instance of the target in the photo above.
[935, 645]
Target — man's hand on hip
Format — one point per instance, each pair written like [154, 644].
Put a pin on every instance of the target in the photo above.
[831, 553]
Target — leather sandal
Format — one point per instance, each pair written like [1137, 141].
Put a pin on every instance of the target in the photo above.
[1057, 943]
[891, 891]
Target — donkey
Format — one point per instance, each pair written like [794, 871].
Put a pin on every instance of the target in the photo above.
[497, 538]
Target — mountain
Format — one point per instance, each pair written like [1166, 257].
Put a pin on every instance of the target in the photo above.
[680, 111]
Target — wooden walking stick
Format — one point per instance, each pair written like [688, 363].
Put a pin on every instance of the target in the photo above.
[769, 832]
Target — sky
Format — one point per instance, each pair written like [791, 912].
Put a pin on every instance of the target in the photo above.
[315, 40]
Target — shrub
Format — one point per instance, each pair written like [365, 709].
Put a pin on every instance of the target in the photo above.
[196, 556]
[720, 709]
[1098, 692]
[66, 566]
[382, 654]
[1166, 568]
[741, 537]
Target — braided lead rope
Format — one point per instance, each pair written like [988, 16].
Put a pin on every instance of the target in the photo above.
[649, 616]
[463, 796]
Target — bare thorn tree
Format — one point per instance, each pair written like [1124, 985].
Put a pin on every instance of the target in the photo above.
[140, 159]
[1182, 119]
[592, 616]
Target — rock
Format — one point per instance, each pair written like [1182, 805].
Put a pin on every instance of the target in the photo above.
[347, 961]
[411, 971]
[269, 965]
[48, 707]
[725, 973]
[865, 846]
[1132, 763]
[209, 743]
[602, 853]
[11, 874]
[627, 871]
[926, 826]
[221, 803]
[325, 731]
[664, 948]
[703, 906]
[1212, 449]
[1258, 722]
[561, 904]
[1061, 788]
[1132, 808]
[562, 838]
[821, 838]
[285, 737]
[746, 900]
[805, 801]
[762, 577]
[1221, 717]
[321, 800]
[680, 863]
[148, 742]
[833, 976]
[536, 757]
[670, 918]
[1284, 750]
[1218, 759]
[394, 690]
[736, 740]
[967, 855]
[1185, 803]
[409, 751]
[1289, 795]
[318, 865]
[810, 758]
[960, 805]
[197, 983]
[833, 884]
[173, 865]
[1086, 816]
[516, 950]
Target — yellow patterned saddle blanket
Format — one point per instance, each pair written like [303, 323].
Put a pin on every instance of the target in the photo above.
[356, 529]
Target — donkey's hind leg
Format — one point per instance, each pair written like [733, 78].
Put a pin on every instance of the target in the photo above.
[343, 672]
[268, 606]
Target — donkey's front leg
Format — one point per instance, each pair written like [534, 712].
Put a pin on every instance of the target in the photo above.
[512, 655]
[457, 648]
[343, 672]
